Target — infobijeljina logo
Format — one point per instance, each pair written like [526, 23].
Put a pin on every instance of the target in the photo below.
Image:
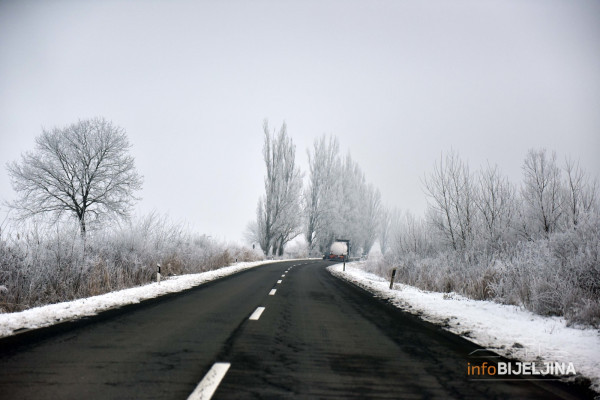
[522, 369]
[507, 370]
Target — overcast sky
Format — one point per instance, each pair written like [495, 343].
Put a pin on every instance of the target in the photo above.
[398, 82]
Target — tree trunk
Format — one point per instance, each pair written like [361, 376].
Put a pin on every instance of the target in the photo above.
[82, 227]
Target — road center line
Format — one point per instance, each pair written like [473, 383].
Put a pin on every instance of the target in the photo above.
[279, 281]
[272, 292]
[209, 384]
[257, 313]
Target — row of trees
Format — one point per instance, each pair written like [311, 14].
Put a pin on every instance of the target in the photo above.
[467, 209]
[536, 244]
[484, 208]
[337, 201]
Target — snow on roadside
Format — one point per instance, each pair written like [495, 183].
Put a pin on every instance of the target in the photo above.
[39, 317]
[498, 327]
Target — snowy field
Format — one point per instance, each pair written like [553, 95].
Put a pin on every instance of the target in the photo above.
[507, 330]
[54, 313]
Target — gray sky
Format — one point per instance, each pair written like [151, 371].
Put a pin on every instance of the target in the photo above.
[397, 82]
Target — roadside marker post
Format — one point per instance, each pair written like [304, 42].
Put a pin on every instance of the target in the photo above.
[347, 254]
[393, 276]
[158, 273]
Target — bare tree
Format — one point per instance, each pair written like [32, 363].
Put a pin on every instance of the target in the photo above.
[438, 189]
[495, 201]
[452, 210]
[542, 192]
[580, 195]
[84, 170]
[278, 211]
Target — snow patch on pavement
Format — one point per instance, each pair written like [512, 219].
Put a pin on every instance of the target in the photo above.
[507, 330]
[39, 317]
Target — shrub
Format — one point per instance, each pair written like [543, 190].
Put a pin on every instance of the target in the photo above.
[558, 275]
[43, 267]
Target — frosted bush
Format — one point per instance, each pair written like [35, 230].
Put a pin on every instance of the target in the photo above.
[50, 266]
[558, 275]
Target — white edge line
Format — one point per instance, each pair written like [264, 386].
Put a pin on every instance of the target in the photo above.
[257, 313]
[209, 384]
[272, 292]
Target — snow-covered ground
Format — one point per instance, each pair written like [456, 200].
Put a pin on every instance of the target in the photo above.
[54, 313]
[507, 330]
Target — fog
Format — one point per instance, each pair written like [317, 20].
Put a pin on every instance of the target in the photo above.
[398, 82]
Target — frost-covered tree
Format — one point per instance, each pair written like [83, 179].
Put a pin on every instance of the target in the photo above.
[338, 202]
[581, 194]
[452, 207]
[278, 210]
[495, 200]
[84, 170]
[542, 193]
[321, 196]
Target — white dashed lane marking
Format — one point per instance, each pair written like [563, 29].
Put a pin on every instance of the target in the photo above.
[279, 281]
[257, 313]
[209, 384]
[272, 292]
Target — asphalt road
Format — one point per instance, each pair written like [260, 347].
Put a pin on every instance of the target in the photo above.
[317, 337]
